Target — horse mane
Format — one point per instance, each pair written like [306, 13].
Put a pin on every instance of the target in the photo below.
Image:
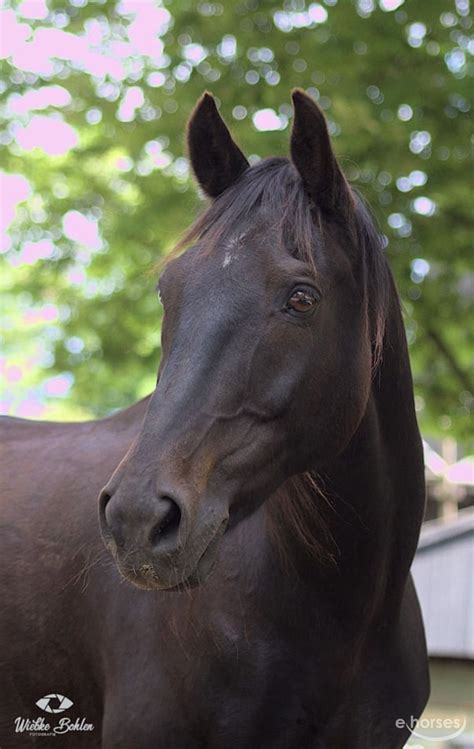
[274, 187]
[297, 512]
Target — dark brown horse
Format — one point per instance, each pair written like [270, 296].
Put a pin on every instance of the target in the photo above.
[280, 450]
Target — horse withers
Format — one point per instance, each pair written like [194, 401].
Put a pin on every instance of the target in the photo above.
[264, 502]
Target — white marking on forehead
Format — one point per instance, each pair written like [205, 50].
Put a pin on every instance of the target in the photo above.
[231, 245]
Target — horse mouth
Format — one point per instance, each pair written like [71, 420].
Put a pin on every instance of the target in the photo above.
[178, 578]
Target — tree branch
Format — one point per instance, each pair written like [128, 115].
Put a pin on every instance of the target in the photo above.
[461, 375]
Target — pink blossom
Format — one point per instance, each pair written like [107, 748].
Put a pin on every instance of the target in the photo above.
[5, 406]
[58, 386]
[76, 276]
[13, 373]
[36, 9]
[49, 312]
[41, 98]
[52, 135]
[81, 229]
[30, 408]
[33, 251]
[13, 34]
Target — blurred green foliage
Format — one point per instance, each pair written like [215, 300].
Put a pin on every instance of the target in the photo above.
[395, 88]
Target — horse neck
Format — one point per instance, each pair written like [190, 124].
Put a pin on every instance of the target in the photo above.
[365, 516]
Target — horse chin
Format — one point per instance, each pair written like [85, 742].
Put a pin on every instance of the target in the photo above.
[147, 577]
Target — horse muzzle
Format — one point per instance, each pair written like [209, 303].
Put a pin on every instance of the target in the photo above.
[158, 542]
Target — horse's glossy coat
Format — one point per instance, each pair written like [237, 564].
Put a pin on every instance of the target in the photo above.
[279, 450]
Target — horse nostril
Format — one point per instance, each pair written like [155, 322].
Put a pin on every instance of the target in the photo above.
[168, 524]
[104, 499]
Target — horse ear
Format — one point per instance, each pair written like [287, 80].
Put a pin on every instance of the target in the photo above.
[216, 160]
[312, 154]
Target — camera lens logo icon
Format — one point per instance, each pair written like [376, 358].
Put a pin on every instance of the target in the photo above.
[54, 703]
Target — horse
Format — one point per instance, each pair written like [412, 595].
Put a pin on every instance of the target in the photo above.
[250, 583]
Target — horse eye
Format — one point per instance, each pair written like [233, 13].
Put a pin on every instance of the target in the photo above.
[302, 301]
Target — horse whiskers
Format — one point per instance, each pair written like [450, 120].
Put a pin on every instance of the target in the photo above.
[85, 569]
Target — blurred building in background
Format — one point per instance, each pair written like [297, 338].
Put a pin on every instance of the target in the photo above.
[443, 571]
